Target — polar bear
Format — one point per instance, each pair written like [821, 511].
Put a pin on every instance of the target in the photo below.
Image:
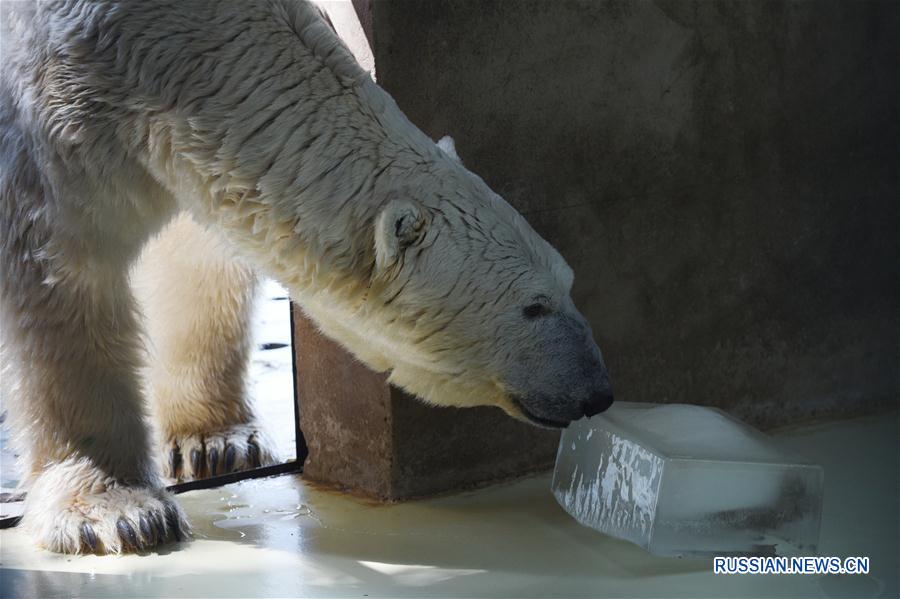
[249, 130]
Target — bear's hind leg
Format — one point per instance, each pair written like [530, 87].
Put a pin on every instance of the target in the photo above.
[198, 301]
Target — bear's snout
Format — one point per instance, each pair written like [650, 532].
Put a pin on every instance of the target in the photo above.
[583, 396]
[600, 393]
[561, 377]
[599, 401]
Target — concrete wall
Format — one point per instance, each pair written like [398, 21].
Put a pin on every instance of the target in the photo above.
[722, 176]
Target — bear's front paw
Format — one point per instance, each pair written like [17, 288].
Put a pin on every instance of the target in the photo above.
[201, 455]
[72, 507]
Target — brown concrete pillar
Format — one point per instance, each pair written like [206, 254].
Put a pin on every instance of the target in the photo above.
[369, 437]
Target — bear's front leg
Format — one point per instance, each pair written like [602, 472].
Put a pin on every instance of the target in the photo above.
[198, 302]
[70, 358]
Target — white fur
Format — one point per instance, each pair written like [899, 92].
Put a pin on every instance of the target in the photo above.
[117, 116]
[197, 298]
[56, 519]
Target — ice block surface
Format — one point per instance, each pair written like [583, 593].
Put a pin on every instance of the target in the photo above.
[687, 480]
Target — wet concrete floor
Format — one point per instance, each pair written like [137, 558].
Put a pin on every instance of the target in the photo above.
[284, 537]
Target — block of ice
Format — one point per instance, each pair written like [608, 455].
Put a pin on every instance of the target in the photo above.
[682, 480]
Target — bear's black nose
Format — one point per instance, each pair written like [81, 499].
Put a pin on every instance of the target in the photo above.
[599, 401]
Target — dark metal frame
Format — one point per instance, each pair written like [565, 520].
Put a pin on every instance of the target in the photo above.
[294, 466]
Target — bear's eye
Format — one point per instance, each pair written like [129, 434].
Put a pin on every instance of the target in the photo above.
[535, 311]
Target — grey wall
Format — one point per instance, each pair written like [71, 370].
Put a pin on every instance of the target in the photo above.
[722, 176]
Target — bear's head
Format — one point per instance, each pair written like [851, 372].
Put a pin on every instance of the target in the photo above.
[472, 307]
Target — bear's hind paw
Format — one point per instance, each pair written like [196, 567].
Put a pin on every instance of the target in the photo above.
[202, 455]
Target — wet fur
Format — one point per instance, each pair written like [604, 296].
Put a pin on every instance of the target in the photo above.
[115, 118]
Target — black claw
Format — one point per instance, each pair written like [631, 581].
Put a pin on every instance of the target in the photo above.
[229, 458]
[173, 521]
[175, 461]
[150, 533]
[159, 527]
[126, 532]
[146, 531]
[253, 453]
[213, 460]
[88, 537]
[195, 462]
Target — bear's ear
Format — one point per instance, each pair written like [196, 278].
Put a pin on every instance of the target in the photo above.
[449, 147]
[400, 224]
